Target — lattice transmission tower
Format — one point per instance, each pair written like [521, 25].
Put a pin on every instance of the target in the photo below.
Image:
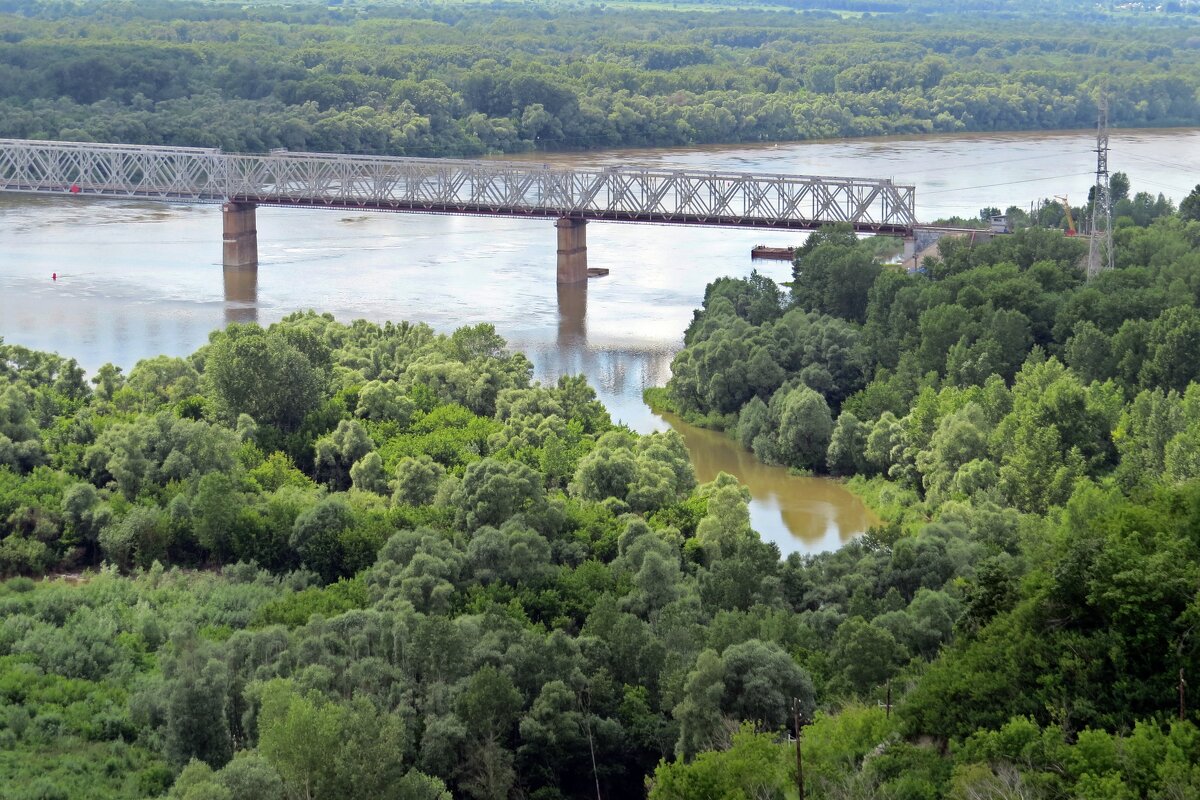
[1100, 253]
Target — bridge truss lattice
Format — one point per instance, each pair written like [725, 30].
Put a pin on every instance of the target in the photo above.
[497, 188]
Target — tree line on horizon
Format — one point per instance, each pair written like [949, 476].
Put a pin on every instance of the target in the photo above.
[463, 79]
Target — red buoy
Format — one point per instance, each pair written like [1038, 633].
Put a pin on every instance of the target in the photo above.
[75, 188]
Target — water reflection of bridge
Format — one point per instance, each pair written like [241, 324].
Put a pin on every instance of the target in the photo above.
[446, 186]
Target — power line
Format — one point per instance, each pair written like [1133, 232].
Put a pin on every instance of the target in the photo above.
[1006, 183]
[1160, 185]
[1163, 162]
[973, 164]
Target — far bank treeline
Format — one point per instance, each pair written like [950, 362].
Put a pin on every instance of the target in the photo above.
[466, 79]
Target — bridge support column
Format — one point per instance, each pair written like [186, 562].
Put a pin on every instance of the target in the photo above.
[241, 235]
[572, 250]
[241, 293]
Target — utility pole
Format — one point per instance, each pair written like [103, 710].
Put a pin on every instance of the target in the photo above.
[1101, 200]
[585, 704]
[797, 717]
[1182, 689]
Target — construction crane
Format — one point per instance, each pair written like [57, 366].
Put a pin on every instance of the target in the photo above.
[1070, 220]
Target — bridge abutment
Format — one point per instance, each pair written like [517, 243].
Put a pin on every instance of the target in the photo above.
[572, 250]
[241, 235]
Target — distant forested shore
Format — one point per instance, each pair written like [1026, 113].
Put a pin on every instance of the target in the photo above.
[465, 79]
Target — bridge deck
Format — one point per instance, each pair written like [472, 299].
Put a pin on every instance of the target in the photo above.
[623, 194]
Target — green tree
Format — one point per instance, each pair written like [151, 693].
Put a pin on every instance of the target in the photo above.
[1089, 352]
[803, 427]
[385, 400]
[492, 491]
[761, 680]
[214, 512]
[417, 480]
[1174, 349]
[367, 474]
[847, 446]
[489, 705]
[338, 452]
[298, 735]
[864, 655]
[1189, 207]
[137, 539]
[833, 273]
[702, 724]
[755, 765]
[316, 535]
[727, 520]
[257, 372]
[196, 702]
[249, 774]
[754, 426]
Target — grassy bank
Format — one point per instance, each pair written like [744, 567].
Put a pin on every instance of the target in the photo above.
[892, 503]
[659, 399]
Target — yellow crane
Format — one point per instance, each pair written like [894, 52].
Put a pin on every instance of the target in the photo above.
[1067, 207]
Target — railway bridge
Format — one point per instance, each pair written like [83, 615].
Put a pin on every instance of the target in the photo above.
[571, 196]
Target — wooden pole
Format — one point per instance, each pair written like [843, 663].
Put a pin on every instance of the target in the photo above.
[1182, 687]
[586, 703]
[796, 717]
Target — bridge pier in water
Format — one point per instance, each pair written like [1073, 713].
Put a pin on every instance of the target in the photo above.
[241, 293]
[572, 250]
[241, 235]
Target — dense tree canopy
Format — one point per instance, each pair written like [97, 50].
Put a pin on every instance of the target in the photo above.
[327, 560]
[458, 79]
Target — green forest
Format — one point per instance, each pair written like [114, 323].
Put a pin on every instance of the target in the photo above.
[327, 560]
[337, 559]
[446, 79]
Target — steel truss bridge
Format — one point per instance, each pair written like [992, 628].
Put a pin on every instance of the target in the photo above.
[494, 188]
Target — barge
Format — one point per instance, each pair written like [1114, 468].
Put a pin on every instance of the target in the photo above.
[777, 253]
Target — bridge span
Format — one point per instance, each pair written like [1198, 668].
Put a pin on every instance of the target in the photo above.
[241, 182]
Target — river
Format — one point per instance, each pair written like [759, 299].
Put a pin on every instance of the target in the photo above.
[140, 279]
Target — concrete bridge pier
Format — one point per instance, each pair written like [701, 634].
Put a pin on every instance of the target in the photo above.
[572, 319]
[572, 250]
[241, 235]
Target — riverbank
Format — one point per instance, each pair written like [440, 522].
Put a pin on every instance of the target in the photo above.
[799, 513]
[892, 505]
[896, 506]
[658, 400]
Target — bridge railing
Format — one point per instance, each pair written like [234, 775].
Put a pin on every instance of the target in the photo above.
[173, 173]
[457, 186]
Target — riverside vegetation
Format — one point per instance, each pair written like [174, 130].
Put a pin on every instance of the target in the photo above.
[434, 79]
[329, 560]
